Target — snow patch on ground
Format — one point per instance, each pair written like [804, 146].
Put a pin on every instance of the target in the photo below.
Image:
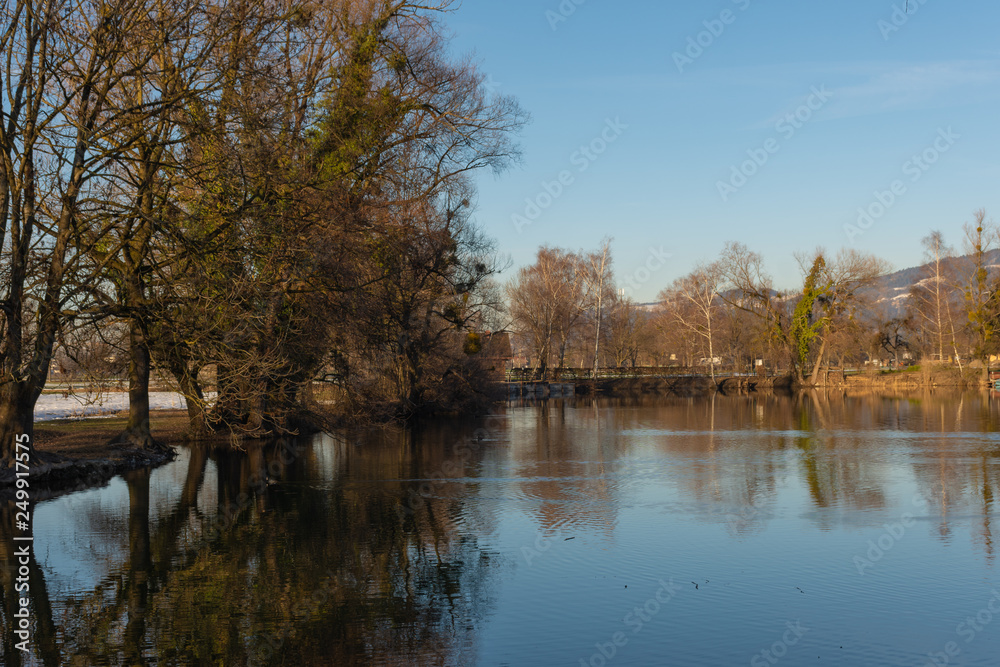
[75, 406]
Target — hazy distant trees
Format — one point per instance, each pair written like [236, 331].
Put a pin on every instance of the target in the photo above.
[724, 311]
[731, 305]
[728, 312]
[831, 293]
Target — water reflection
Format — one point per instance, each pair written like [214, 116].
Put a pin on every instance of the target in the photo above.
[286, 568]
[516, 539]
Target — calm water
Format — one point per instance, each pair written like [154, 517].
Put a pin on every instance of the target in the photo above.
[820, 530]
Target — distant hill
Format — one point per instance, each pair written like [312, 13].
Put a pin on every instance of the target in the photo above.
[893, 290]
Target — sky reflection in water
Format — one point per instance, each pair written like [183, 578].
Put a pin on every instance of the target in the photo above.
[821, 529]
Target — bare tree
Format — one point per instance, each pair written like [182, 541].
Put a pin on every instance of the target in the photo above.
[982, 307]
[844, 292]
[693, 302]
[627, 331]
[600, 288]
[546, 302]
[931, 299]
[181, 38]
[66, 126]
[748, 287]
[830, 291]
[570, 277]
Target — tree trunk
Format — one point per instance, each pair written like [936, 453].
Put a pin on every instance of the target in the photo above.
[137, 431]
[227, 406]
[10, 599]
[17, 409]
[194, 398]
[563, 342]
[257, 408]
[543, 362]
[597, 339]
[819, 362]
[711, 350]
[140, 564]
[940, 323]
[796, 369]
[414, 394]
[954, 342]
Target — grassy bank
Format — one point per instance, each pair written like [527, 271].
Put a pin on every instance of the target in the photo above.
[75, 454]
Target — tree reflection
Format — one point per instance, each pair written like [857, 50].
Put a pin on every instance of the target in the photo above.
[738, 448]
[293, 569]
[367, 547]
[42, 631]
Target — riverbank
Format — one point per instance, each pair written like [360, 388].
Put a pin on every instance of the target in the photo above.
[681, 386]
[915, 378]
[75, 454]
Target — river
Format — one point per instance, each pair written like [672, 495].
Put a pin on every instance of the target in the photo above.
[819, 529]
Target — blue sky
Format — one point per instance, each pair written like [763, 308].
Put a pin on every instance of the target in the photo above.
[869, 97]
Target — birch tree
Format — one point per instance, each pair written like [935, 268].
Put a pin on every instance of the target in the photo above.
[931, 299]
[600, 287]
[693, 303]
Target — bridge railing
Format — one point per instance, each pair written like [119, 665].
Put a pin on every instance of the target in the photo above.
[571, 374]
